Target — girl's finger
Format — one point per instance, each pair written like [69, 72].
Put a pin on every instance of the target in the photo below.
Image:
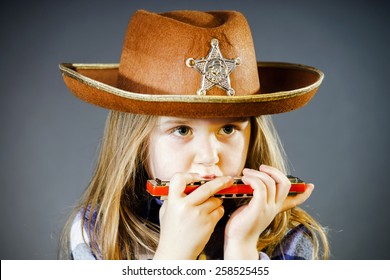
[217, 213]
[298, 199]
[281, 180]
[179, 182]
[208, 190]
[211, 204]
[163, 209]
[259, 198]
[267, 181]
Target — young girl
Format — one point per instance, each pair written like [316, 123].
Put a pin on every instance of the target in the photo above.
[185, 119]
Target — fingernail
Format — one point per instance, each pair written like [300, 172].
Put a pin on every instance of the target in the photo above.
[246, 170]
[263, 166]
[228, 179]
[196, 175]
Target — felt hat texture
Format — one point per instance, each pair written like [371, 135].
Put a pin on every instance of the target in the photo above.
[192, 64]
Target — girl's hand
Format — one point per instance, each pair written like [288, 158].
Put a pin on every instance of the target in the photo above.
[270, 190]
[297, 199]
[187, 221]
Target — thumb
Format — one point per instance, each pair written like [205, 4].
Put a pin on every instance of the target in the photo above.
[298, 199]
[163, 209]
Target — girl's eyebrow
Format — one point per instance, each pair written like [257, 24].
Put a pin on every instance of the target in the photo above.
[235, 120]
[184, 121]
[241, 119]
[174, 121]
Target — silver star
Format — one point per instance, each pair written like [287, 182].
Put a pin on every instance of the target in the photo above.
[215, 70]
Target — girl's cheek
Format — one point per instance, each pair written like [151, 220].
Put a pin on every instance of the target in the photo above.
[170, 164]
[235, 157]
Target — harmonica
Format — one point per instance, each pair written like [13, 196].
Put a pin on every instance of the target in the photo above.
[160, 188]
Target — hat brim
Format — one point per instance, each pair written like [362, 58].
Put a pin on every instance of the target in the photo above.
[284, 87]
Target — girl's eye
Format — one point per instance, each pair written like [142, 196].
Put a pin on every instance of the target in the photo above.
[182, 130]
[228, 130]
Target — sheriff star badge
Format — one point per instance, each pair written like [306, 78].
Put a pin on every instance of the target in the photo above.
[215, 70]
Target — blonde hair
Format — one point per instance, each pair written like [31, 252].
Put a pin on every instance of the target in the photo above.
[266, 148]
[117, 191]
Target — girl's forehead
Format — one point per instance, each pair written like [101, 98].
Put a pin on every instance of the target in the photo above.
[168, 120]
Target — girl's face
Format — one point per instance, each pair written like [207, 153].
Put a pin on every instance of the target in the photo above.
[210, 147]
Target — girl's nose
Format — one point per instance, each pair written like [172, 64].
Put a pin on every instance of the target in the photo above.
[207, 151]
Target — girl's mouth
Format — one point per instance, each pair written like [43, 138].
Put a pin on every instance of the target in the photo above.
[209, 176]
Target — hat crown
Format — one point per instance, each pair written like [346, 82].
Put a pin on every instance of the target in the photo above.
[157, 46]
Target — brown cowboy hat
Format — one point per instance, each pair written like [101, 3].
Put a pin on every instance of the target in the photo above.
[192, 64]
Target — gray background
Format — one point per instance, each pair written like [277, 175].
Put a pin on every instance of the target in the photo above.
[339, 141]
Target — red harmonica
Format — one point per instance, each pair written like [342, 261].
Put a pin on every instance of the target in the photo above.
[238, 189]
